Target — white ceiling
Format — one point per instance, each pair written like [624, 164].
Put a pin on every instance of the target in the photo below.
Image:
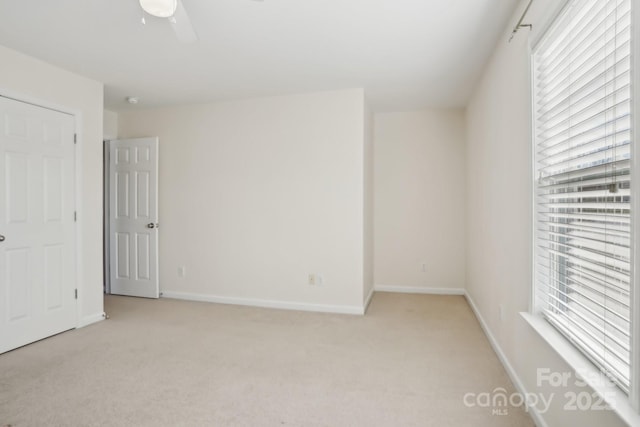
[407, 54]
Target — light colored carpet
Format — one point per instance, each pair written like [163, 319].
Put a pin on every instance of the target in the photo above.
[408, 362]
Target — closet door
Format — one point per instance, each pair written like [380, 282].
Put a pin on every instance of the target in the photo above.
[37, 223]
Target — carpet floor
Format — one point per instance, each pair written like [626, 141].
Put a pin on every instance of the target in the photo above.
[408, 362]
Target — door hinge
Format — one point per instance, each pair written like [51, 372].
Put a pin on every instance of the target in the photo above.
[75, 216]
[75, 138]
[76, 293]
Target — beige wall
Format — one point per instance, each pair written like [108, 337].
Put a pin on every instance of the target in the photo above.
[499, 206]
[22, 76]
[255, 195]
[420, 200]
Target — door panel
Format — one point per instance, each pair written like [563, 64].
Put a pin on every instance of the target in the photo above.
[122, 258]
[133, 202]
[143, 248]
[122, 195]
[18, 283]
[142, 189]
[53, 259]
[122, 155]
[17, 167]
[15, 125]
[53, 188]
[37, 203]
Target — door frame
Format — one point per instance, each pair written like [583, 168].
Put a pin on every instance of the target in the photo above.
[77, 161]
[106, 207]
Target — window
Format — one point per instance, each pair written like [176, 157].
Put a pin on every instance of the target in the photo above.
[583, 138]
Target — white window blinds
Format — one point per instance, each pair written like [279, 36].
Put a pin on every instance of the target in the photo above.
[582, 91]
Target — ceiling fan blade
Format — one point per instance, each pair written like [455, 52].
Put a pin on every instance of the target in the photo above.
[182, 25]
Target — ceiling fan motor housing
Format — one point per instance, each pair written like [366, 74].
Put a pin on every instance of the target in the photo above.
[159, 8]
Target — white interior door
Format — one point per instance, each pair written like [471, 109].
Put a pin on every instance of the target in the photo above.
[133, 217]
[37, 223]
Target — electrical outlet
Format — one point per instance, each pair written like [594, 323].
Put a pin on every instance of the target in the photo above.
[182, 272]
[312, 279]
[424, 267]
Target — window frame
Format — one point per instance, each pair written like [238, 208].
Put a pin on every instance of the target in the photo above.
[625, 405]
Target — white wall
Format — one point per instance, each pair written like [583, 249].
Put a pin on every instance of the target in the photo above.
[22, 76]
[499, 220]
[257, 194]
[110, 121]
[420, 200]
[368, 224]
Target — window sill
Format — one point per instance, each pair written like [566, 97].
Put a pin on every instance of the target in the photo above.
[611, 394]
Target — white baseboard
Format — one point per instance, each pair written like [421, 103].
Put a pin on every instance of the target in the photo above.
[284, 305]
[368, 300]
[88, 320]
[515, 379]
[419, 290]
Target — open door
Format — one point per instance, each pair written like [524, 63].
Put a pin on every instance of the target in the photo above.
[133, 217]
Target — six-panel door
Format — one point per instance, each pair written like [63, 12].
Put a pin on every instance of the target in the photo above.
[133, 203]
[37, 204]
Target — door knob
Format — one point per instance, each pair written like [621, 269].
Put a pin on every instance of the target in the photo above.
[1, 238]
[151, 225]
